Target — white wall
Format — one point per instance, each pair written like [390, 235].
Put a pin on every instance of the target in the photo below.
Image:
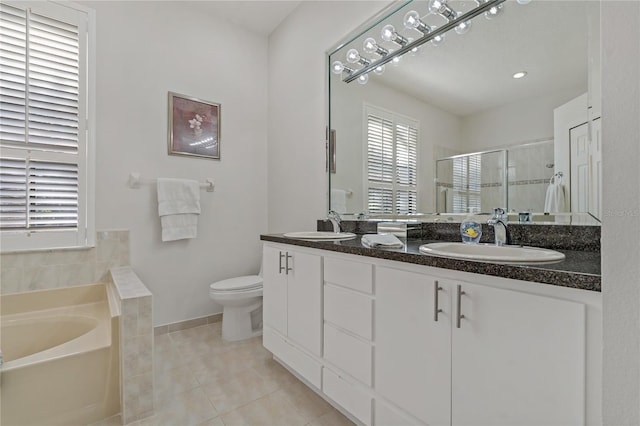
[298, 108]
[515, 123]
[144, 50]
[621, 205]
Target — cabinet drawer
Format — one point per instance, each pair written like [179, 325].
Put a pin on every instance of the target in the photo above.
[349, 353]
[355, 275]
[349, 310]
[385, 415]
[348, 395]
[298, 361]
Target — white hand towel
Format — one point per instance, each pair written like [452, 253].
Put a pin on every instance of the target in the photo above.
[339, 200]
[555, 198]
[178, 208]
[381, 240]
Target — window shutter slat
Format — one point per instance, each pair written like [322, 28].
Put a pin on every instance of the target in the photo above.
[392, 158]
[40, 105]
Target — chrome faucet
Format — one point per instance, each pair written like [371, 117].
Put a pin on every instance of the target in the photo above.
[500, 230]
[335, 219]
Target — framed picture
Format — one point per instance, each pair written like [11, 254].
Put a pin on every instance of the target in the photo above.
[194, 127]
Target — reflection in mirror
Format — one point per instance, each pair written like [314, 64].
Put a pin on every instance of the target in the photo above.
[400, 139]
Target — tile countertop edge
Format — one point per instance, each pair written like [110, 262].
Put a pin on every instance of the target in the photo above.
[577, 280]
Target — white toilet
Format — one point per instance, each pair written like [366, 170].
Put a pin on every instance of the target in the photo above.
[241, 300]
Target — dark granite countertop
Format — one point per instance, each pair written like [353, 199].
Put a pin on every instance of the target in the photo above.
[579, 269]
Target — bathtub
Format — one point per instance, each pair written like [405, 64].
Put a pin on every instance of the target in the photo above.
[60, 350]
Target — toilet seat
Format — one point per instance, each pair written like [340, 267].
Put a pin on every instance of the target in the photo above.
[237, 284]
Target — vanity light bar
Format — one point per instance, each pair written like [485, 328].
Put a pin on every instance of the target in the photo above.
[427, 37]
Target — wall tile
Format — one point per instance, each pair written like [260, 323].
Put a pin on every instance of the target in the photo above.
[48, 269]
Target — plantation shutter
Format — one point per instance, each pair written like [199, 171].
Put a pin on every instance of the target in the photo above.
[43, 134]
[467, 173]
[392, 156]
[406, 169]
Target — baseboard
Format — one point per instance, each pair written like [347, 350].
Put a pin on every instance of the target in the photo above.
[183, 325]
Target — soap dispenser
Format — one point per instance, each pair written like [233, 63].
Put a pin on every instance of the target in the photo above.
[470, 230]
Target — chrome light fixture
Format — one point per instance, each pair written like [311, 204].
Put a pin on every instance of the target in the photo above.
[458, 21]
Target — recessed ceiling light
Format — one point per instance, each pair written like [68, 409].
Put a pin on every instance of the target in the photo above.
[520, 74]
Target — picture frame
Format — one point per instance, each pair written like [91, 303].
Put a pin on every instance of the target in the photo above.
[194, 127]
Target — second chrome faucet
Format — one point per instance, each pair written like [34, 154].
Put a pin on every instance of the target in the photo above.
[500, 229]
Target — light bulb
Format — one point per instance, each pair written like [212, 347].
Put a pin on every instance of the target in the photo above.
[435, 5]
[379, 70]
[438, 40]
[463, 27]
[353, 56]
[388, 33]
[412, 21]
[337, 67]
[523, 1]
[370, 46]
[363, 79]
[395, 61]
[493, 12]
[416, 50]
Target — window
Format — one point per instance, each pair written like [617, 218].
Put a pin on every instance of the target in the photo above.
[467, 183]
[45, 148]
[392, 157]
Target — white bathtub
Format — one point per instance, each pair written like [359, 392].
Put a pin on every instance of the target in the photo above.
[60, 350]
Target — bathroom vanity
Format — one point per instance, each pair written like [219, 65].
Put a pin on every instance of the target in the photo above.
[394, 337]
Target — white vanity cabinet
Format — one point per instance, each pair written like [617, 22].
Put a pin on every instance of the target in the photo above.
[454, 352]
[292, 302]
[393, 343]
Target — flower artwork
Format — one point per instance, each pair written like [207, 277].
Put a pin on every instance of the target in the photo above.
[194, 127]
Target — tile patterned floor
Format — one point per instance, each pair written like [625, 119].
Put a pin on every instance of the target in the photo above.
[201, 379]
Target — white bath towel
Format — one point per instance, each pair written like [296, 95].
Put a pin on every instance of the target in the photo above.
[178, 208]
[381, 240]
[555, 201]
[339, 200]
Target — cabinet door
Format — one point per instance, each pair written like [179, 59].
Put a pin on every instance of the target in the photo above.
[304, 300]
[412, 350]
[517, 359]
[274, 290]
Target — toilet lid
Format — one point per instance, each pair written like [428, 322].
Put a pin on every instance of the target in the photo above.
[246, 282]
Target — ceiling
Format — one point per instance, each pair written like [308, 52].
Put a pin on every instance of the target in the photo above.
[258, 16]
[472, 72]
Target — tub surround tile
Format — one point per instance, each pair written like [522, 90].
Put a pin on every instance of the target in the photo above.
[136, 343]
[49, 269]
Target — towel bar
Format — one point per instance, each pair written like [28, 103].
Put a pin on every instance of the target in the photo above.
[135, 180]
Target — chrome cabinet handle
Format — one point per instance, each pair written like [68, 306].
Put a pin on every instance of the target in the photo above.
[459, 314]
[287, 263]
[436, 309]
[280, 267]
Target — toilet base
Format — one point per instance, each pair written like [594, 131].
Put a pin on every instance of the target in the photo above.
[240, 322]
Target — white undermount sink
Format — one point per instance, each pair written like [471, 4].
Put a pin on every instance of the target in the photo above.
[492, 253]
[320, 235]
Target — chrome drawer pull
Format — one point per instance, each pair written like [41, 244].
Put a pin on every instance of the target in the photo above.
[459, 316]
[436, 309]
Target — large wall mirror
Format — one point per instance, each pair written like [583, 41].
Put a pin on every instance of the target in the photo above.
[503, 113]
